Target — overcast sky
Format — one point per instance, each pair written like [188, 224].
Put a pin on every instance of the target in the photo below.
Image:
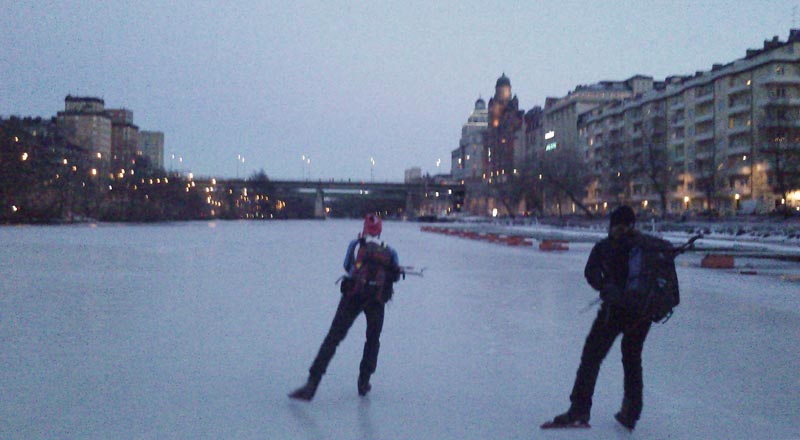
[344, 81]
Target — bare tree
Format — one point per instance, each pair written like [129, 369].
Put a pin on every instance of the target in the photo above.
[510, 189]
[706, 169]
[653, 162]
[565, 174]
[782, 150]
[616, 182]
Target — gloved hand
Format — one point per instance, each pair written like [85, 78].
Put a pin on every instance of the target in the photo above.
[611, 294]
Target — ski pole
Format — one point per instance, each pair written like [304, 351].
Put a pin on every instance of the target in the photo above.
[418, 273]
[590, 306]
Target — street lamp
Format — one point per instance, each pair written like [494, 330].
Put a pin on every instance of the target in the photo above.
[239, 158]
[372, 169]
[306, 161]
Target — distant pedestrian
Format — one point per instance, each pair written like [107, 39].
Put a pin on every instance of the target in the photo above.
[607, 271]
[372, 268]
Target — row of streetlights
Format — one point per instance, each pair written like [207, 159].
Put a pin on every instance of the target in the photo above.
[307, 162]
[305, 172]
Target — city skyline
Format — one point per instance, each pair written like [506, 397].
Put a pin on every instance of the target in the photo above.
[363, 91]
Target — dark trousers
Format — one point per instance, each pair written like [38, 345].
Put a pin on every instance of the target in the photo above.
[610, 322]
[350, 306]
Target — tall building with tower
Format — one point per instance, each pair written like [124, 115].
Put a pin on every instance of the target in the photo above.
[467, 159]
[504, 120]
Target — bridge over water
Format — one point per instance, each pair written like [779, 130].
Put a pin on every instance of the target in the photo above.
[423, 197]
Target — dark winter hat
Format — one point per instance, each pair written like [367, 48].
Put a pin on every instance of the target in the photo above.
[622, 215]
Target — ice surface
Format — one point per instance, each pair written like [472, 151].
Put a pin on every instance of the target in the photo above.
[199, 330]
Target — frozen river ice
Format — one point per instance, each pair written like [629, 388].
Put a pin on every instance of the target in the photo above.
[199, 330]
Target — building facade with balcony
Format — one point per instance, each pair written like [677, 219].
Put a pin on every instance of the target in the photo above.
[701, 142]
[557, 124]
[560, 115]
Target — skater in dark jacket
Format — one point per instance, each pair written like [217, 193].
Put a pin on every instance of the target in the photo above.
[372, 268]
[607, 271]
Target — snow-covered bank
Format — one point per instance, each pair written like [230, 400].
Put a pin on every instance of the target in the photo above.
[757, 237]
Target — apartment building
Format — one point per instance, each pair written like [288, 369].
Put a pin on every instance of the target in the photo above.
[151, 145]
[86, 123]
[560, 115]
[699, 142]
[124, 136]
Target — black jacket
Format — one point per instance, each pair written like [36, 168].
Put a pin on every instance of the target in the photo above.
[607, 267]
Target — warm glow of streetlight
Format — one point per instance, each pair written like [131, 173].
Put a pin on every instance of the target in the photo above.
[94, 171]
[24, 157]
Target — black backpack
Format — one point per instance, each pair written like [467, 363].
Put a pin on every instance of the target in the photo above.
[651, 290]
[374, 271]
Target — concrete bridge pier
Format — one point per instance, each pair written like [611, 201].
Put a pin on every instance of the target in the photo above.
[410, 208]
[319, 205]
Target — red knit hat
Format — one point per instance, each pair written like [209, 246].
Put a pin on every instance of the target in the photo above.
[372, 225]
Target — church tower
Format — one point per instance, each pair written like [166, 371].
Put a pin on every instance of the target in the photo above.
[505, 119]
